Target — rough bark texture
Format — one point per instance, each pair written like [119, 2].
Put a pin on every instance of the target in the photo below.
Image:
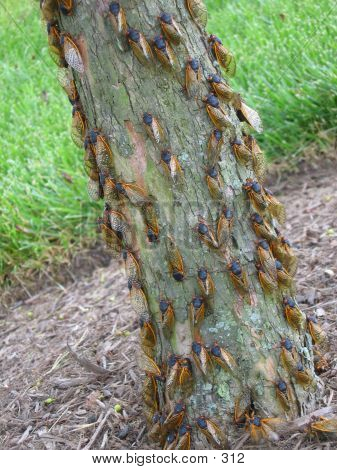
[115, 90]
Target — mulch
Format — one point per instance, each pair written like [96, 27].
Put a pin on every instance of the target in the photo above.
[56, 343]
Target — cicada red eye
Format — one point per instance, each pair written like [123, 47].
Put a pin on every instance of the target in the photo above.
[167, 313]
[153, 129]
[214, 147]
[275, 207]
[216, 112]
[225, 226]
[139, 46]
[117, 18]
[239, 278]
[222, 357]
[193, 76]
[66, 7]
[214, 435]
[214, 183]
[220, 87]
[78, 126]
[164, 52]
[197, 311]
[201, 357]
[184, 437]
[256, 195]
[205, 282]
[206, 234]
[71, 53]
[247, 114]
[198, 11]
[223, 56]
[171, 165]
[293, 314]
[176, 416]
[170, 28]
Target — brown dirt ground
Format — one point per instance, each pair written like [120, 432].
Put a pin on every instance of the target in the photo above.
[90, 311]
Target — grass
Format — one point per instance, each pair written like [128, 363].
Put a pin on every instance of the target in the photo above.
[286, 70]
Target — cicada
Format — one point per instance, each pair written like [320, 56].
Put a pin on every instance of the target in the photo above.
[174, 369]
[119, 224]
[318, 335]
[153, 128]
[262, 228]
[164, 52]
[223, 358]
[170, 28]
[302, 375]
[266, 258]
[284, 394]
[104, 156]
[275, 207]
[65, 79]
[239, 278]
[205, 282]
[111, 194]
[185, 377]
[150, 392]
[54, 37]
[261, 428]
[216, 112]
[201, 357]
[242, 153]
[71, 53]
[242, 403]
[139, 46]
[289, 356]
[48, 9]
[193, 76]
[206, 234]
[171, 165]
[198, 11]
[268, 284]
[66, 7]
[184, 437]
[214, 435]
[214, 147]
[138, 300]
[148, 365]
[282, 250]
[321, 363]
[247, 114]
[156, 431]
[170, 441]
[225, 226]
[197, 311]
[112, 241]
[175, 417]
[175, 260]
[132, 268]
[258, 160]
[117, 18]
[214, 183]
[167, 313]
[223, 56]
[293, 314]
[256, 195]
[283, 277]
[220, 87]
[78, 126]
[94, 189]
[323, 424]
[134, 193]
[151, 222]
[148, 338]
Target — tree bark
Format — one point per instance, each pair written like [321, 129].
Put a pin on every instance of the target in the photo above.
[115, 90]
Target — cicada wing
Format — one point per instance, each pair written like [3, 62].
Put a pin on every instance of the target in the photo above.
[148, 365]
[72, 55]
[252, 117]
[198, 11]
[78, 128]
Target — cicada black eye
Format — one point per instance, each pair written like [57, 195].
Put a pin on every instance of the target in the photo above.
[178, 276]
[212, 100]
[172, 360]
[228, 213]
[179, 407]
[282, 386]
[166, 18]
[114, 8]
[214, 78]
[256, 421]
[170, 438]
[289, 302]
[212, 172]
[300, 367]
[160, 42]
[201, 422]
[217, 134]
[257, 218]
[216, 350]
[264, 244]
[133, 34]
[202, 229]
[256, 187]
[202, 274]
[288, 344]
[238, 141]
[147, 119]
[196, 348]
[197, 302]
[236, 268]
[194, 63]
[152, 237]
[93, 136]
[166, 156]
[183, 430]
[163, 305]
[278, 265]
[130, 284]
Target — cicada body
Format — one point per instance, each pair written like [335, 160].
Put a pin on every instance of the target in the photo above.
[66, 7]
[247, 114]
[148, 365]
[258, 160]
[284, 395]
[262, 228]
[170, 28]
[134, 193]
[225, 226]
[223, 56]
[148, 338]
[111, 195]
[119, 224]
[318, 335]
[167, 314]
[214, 147]
[197, 311]
[184, 437]
[175, 260]
[139, 301]
[193, 76]
[175, 417]
[104, 155]
[328, 425]
[275, 207]
[78, 126]
[321, 363]
[223, 358]
[214, 435]
[261, 428]
[205, 282]
[302, 375]
[132, 268]
[256, 195]
[139, 46]
[201, 357]
[241, 152]
[216, 112]
[54, 38]
[153, 129]
[283, 251]
[268, 284]
[164, 52]
[173, 364]
[171, 165]
[112, 241]
[285, 281]
[206, 234]
[171, 441]
[117, 18]
[65, 79]
[151, 221]
[220, 87]
[293, 314]
[214, 183]
[266, 258]
[150, 392]
[71, 53]
[90, 164]
[289, 356]
[198, 11]
[185, 377]
[156, 429]
[48, 9]
[241, 405]
[239, 278]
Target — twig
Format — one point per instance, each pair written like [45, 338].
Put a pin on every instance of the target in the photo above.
[98, 430]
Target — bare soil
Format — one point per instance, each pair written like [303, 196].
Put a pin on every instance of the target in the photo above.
[56, 342]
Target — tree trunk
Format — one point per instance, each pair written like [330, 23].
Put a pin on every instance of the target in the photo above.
[115, 89]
